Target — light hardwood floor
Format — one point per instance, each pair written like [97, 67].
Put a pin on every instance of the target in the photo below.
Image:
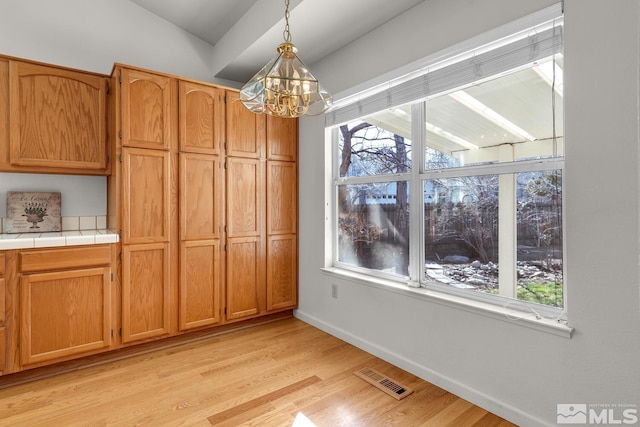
[284, 373]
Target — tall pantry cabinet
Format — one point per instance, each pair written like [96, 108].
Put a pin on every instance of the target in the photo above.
[282, 213]
[204, 193]
[261, 211]
[201, 191]
[246, 204]
[144, 205]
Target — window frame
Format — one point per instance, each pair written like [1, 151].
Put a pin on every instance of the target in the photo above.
[416, 178]
[343, 181]
[495, 299]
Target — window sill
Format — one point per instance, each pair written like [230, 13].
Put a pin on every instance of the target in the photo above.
[517, 317]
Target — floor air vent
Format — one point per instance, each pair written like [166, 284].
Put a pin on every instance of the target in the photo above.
[392, 388]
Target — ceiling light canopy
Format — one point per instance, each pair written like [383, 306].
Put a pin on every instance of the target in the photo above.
[285, 87]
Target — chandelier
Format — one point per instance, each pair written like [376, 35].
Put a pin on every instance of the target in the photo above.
[285, 87]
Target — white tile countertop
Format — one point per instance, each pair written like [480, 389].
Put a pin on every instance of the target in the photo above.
[58, 238]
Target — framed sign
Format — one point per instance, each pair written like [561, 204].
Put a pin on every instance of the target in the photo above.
[31, 212]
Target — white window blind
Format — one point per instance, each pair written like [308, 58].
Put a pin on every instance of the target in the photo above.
[535, 46]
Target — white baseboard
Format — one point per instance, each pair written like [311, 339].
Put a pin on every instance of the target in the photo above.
[474, 396]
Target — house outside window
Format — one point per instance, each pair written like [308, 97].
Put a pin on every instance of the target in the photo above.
[455, 184]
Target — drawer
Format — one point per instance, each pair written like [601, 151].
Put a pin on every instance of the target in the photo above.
[60, 259]
[1, 264]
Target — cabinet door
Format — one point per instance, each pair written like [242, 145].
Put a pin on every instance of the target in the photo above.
[201, 118]
[245, 277]
[245, 130]
[245, 238]
[199, 283]
[146, 109]
[64, 313]
[200, 197]
[3, 316]
[58, 117]
[282, 138]
[282, 198]
[145, 291]
[282, 272]
[245, 197]
[146, 207]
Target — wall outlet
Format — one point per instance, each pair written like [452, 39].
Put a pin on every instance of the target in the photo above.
[334, 290]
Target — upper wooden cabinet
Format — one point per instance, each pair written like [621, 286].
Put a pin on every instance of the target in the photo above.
[245, 130]
[145, 109]
[201, 118]
[282, 139]
[57, 119]
[4, 115]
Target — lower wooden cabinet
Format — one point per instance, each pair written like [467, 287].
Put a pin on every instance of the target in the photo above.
[245, 277]
[282, 272]
[2, 292]
[64, 313]
[199, 284]
[2, 315]
[250, 289]
[262, 257]
[65, 302]
[146, 296]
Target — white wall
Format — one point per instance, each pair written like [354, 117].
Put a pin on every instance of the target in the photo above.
[93, 35]
[517, 372]
[81, 195]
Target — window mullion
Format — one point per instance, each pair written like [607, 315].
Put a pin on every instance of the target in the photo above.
[331, 212]
[416, 213]
[507, 225]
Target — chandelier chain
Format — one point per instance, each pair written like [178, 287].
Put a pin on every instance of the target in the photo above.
[286, 33]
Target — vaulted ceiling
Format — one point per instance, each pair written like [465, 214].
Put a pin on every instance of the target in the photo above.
[245, 33]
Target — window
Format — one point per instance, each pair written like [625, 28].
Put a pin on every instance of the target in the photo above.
[453, 178]
[374, 162]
